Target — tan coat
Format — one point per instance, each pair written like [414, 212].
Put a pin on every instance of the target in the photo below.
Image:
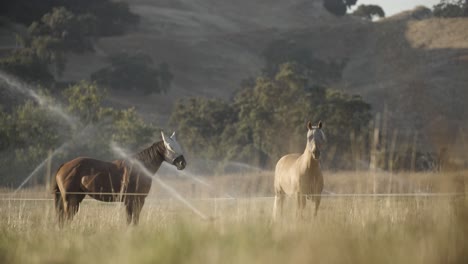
[299, 175]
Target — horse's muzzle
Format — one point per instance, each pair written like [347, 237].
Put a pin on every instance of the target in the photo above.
[316, 153]
[180, 163]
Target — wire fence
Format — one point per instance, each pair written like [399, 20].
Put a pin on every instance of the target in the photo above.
[117, 196]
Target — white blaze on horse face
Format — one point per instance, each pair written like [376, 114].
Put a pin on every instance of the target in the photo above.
[315, 140]
[172, 145]
[319, 137]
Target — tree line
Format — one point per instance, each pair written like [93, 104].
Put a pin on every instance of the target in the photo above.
[30, 130]
[54, 29]
[266, 117]
[445, 8]
[451, 8]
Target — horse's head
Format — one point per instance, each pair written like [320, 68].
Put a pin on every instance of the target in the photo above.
[173, 152]
[316, 139]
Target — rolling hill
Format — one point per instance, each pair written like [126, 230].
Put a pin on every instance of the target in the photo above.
[411, 67]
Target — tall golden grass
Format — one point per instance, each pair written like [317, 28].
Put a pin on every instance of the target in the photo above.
[421, 229]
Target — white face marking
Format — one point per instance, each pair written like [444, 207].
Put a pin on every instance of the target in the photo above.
[172, 145]
[315, 139]
[317, 135]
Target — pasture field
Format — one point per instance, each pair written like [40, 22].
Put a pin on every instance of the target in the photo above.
[348, 229]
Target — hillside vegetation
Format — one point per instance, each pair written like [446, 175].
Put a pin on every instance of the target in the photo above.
[212, 46]
[410, 67]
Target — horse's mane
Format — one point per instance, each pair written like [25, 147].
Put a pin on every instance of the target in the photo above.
[152, 154]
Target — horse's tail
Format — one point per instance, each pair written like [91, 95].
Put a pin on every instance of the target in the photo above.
[59, 205]
[57, 195]
[57, 198]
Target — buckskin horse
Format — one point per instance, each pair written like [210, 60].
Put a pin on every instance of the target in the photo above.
[117, 181]
[300, 174]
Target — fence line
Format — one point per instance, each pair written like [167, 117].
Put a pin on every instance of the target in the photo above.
[329, 195]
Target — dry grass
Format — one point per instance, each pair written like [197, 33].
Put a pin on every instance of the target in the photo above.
[255, 184]
[347, 229]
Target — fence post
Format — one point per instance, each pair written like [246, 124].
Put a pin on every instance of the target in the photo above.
[413, 152]
[373, 166]
[48, 177]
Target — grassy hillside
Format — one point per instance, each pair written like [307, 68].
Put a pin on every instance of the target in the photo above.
[211, 46]
[412, 67]
[417, 69]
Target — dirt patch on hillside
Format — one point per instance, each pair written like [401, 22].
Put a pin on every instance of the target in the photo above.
[415, 68]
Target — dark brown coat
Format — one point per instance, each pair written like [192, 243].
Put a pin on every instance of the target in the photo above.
[117, 181]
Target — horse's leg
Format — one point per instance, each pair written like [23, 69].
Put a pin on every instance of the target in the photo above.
[298, 205]
[60, 209]
[275, 207]
[317, 204]
[129, 209]
[61, 217]
[301, 202]
[137, 206]
[278, 205]
[133, 207]
[318, 193]
[281, 203]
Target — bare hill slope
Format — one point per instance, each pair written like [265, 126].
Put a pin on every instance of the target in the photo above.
[415, 67]
[418, 70]
[210, 45]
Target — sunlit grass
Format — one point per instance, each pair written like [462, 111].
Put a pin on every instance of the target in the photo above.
[347, 230]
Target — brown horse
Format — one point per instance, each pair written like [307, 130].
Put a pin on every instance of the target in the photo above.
[300, 174]
[116, 181]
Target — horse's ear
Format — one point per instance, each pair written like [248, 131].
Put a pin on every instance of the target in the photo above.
[163, 136]
[173, 135]
[320, 124]
[309, 125]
